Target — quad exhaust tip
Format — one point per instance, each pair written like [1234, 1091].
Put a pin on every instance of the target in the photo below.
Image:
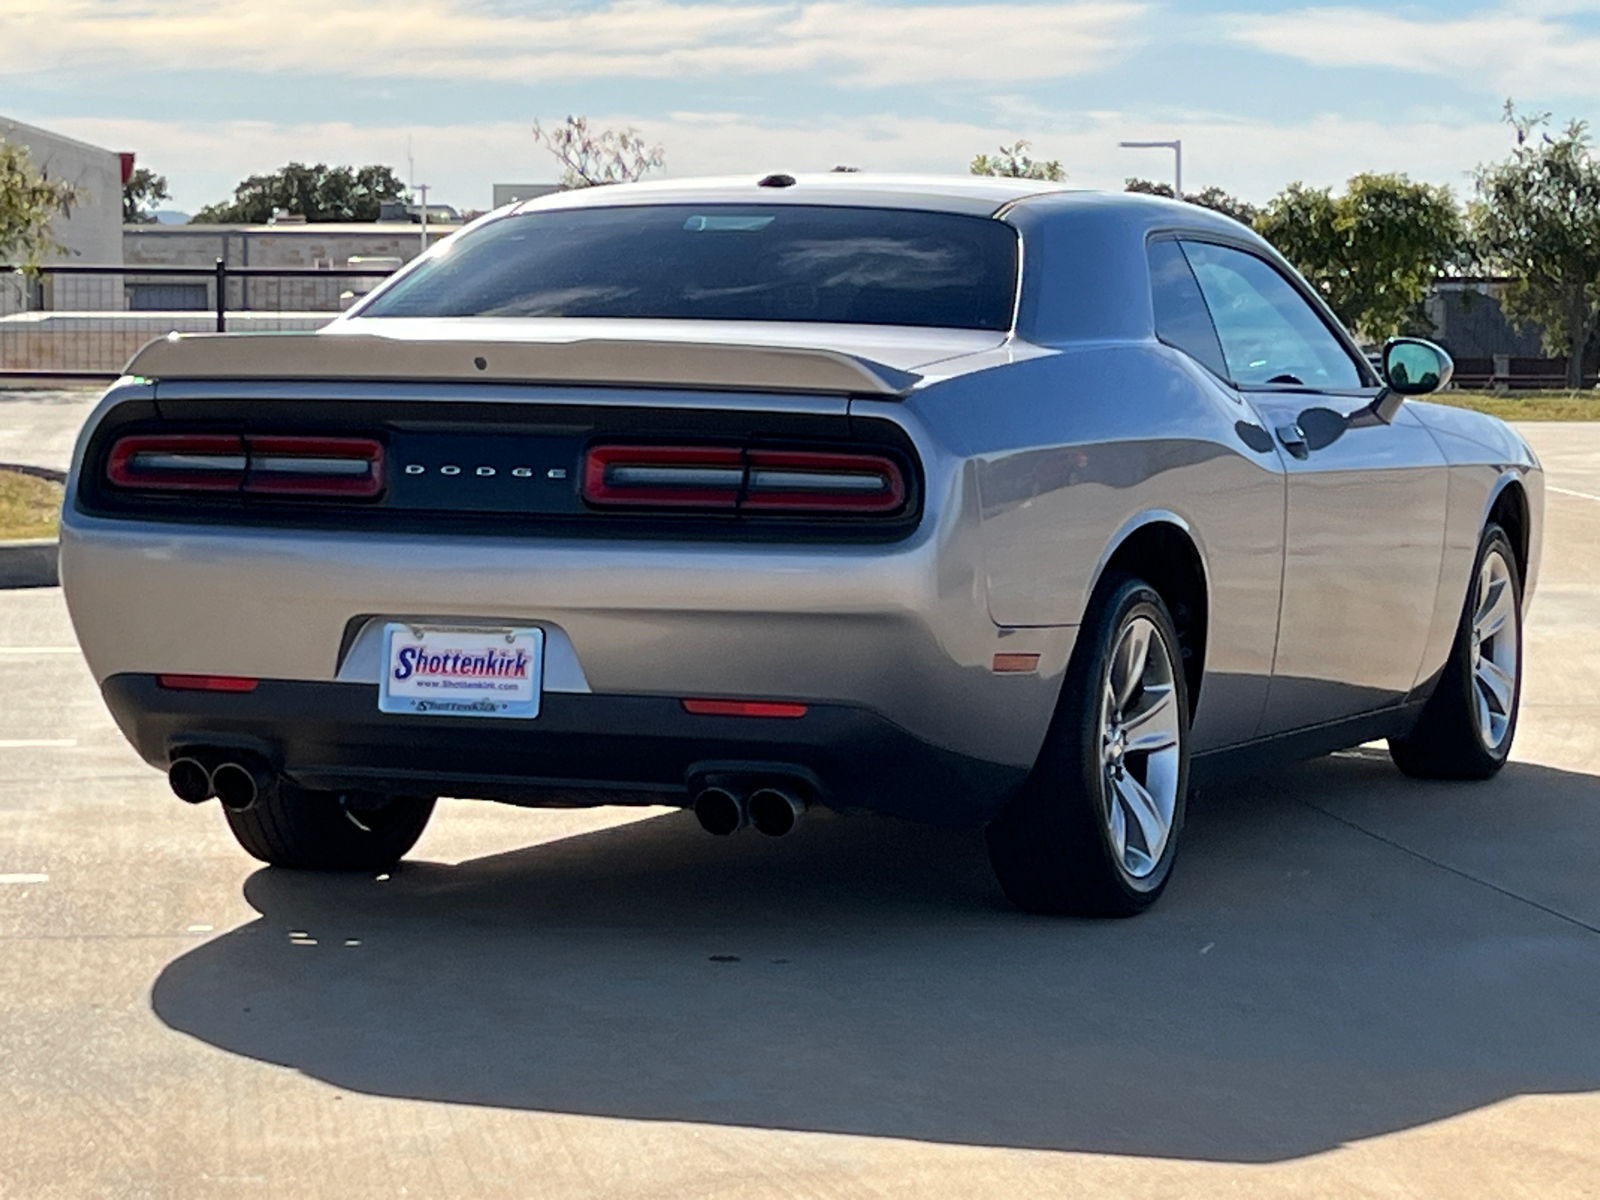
[719, 811]
[240, 784]
[190, 780]
[775, 811]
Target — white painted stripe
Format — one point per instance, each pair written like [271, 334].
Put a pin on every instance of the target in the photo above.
[24, 879]
[37, 743]
[38, 650]
[1570, 492]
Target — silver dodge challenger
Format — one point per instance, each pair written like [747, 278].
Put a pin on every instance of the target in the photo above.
[972, 501]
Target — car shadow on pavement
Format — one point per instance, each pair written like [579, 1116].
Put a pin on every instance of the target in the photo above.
[1342, 953]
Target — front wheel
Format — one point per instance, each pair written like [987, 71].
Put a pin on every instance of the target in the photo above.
[1466, 728]
[289, 826]
[1095, 828]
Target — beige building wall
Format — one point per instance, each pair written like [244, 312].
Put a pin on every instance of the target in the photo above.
[310, 246]
[91, 233]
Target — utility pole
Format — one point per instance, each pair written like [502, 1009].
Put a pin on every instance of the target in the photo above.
[422, 190]
[1176, 147]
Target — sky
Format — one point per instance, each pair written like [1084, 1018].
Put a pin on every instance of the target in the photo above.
[1262, 93]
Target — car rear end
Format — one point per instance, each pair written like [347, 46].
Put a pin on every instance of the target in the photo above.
[475, 557]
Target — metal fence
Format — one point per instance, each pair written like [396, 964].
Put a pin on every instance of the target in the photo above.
[69, 321]
[85, 322]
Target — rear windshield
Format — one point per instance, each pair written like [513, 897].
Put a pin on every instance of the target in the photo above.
[871, 266]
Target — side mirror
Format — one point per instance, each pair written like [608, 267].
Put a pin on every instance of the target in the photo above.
[1411, 367]
[1414, 367]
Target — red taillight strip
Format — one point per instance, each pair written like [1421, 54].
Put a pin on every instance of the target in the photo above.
[727, 478]
[797, 480]
[685, 476]
[178, 462]
[744, 708]
[208, 683]
[273, 465]
[317, 466]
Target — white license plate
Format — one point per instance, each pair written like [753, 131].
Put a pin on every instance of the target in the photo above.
[461, 672]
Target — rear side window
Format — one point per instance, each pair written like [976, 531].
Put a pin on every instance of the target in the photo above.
[1182, 319]
[872, 266]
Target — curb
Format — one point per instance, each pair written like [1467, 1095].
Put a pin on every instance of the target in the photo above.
[29, 563]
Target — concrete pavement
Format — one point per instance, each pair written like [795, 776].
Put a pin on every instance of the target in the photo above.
[1357, 984]
[38, 428]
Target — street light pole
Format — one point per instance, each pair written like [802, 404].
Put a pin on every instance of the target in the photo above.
[1176, 146]
[422, 189]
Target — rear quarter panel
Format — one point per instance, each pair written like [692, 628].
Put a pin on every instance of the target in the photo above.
[1072, 451]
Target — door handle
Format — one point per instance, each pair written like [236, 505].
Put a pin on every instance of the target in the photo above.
[1294, 439]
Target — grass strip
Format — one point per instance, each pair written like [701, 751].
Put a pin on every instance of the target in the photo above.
[1529, 406]
[30, 507]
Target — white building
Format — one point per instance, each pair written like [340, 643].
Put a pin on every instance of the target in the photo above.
[91, 233]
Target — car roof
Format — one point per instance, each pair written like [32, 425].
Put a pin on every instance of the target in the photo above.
[974, 194]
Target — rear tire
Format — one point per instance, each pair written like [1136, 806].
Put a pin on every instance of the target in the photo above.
[1467, 726]
[291, 827]
[1094, 830]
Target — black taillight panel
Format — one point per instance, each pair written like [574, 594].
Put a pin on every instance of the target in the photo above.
[505, 469]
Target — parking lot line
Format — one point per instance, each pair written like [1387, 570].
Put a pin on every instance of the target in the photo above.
[37, 743]
[1569, 492]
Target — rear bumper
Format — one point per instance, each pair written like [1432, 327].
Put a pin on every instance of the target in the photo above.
[898, 630]
[580, 750]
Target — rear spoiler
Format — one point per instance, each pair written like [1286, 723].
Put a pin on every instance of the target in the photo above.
[595, 361]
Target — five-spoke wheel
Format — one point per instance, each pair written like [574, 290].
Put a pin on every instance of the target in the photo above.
[1094, 829]
[1466, 729]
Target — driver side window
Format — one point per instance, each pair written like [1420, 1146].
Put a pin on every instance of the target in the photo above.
[1269, 334]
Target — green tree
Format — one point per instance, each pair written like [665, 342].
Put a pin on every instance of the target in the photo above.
[590, 158]
[319, 193]
[143, 191]
[1537, 219]
[1372, 252]
[1013, 163]
[29, 201]
[1213, 198]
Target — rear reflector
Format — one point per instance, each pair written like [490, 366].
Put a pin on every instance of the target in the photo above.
[727, 478]
[207, 683]
[744, 708]
[1016, 664]
[265, 465]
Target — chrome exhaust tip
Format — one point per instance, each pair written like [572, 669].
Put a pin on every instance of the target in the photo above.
[189, 780]
[719, 811]
[775, 811]
[240, 785]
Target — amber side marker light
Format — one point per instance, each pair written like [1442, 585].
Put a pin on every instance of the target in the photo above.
[1016, 664]
[207, 683]
[744, 708]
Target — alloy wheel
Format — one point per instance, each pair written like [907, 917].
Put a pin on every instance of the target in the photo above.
[1496, 648]
[1141, 748]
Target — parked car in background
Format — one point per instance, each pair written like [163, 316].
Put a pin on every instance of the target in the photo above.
[972, 501]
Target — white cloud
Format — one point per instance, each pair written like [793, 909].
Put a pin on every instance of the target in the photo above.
[1253, 158]
[1515, 49]
[848, 41]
